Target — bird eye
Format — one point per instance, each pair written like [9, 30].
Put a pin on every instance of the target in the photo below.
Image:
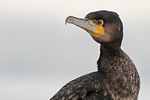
[99, 22]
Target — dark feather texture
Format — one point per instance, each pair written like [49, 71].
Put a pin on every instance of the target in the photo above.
[116, 78]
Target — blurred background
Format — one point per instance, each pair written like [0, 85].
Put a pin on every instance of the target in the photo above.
[39, 53]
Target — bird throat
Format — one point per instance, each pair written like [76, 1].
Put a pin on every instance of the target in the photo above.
[108, 54]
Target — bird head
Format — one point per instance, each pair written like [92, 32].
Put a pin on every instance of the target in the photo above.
[105, 27]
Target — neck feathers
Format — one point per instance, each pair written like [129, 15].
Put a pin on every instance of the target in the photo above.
[119, 73]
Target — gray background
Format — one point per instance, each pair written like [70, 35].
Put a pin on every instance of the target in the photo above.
[39, 54]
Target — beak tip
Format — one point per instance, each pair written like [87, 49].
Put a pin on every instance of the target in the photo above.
[69, 19]
[65, 23]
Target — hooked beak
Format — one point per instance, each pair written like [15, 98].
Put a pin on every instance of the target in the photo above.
[86, 24]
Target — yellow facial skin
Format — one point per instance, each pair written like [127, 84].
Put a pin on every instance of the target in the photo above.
[100, 30]
[94, 27]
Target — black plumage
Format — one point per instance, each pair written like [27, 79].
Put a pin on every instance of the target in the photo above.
[116, 78]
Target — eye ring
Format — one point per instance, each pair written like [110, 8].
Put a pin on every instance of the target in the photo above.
[100, 22]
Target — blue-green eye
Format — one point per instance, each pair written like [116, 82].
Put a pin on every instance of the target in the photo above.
[99, 22]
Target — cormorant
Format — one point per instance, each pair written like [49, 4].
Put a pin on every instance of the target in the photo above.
[117, 77]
